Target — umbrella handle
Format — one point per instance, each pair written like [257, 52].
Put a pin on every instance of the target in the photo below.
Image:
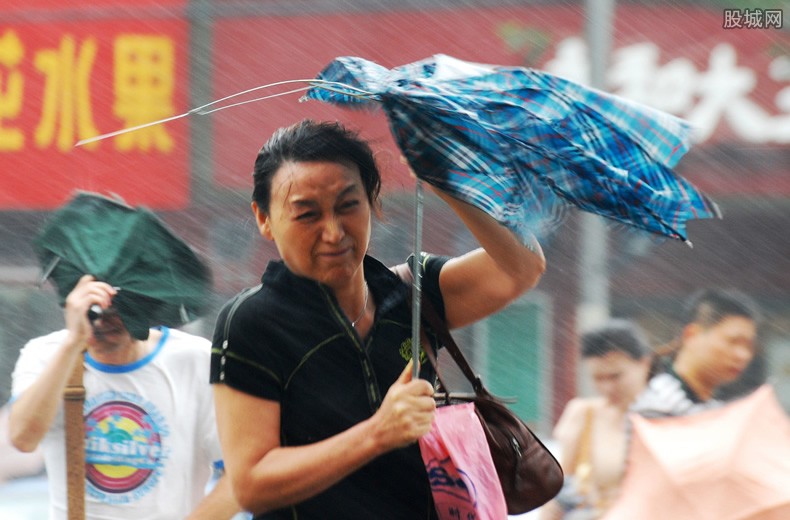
[416, 293]
[95, 312]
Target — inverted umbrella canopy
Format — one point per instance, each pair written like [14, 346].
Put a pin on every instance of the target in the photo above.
[522, 145]
[731, 463]
[161, 281]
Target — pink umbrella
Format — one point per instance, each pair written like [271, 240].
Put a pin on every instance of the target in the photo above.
[731, 463]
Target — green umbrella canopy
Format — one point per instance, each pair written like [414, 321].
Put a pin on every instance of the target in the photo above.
[161, 280]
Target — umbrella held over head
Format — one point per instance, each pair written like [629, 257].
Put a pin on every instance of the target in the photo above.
[730, 463]
[522, 144]
[518, 143]
[160, 280]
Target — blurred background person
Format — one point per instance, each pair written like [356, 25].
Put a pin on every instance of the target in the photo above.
[715, 346]
[692, 456]
[591, 431]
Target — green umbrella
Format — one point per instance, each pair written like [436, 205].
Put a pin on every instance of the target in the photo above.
[161, 281]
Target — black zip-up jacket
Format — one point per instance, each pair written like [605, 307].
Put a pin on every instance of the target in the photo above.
[289, 341]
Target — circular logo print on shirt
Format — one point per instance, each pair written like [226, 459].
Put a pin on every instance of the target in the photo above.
[123, 448]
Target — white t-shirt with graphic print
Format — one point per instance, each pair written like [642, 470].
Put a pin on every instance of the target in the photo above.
[151, 437]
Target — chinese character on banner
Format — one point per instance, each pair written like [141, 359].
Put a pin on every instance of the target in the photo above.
[82, 78]
[66, 113]
[12, 83]
[144, 85]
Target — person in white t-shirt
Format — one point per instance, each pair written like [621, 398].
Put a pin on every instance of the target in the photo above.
[151, 438]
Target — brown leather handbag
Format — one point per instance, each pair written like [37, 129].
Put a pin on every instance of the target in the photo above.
[529, 473]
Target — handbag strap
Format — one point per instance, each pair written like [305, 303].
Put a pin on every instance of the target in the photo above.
[73, 402]
[439, 327]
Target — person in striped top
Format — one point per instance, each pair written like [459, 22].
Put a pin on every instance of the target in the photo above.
[716, 344]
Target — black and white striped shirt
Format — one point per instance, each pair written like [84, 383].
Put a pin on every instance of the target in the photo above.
[667, 395]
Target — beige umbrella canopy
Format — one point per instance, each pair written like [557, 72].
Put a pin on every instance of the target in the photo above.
[731, 463]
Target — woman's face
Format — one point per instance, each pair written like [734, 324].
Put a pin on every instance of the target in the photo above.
[319, 219]
[618, 377]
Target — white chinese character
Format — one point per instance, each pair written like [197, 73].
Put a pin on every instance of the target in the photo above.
[636, 74]
[773, 18]
[706, 98]
[733, 19]
[753, 19]
[723, 92]
[570, 61]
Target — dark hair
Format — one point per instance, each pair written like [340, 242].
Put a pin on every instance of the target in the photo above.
[309, 141]
[616, 335]
[710, 306]
[707, 307]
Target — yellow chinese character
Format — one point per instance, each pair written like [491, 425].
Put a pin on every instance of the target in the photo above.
[144, 85]
[67, 101]
[11, 85]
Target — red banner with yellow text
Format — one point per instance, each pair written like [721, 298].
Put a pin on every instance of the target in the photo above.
[62, 82]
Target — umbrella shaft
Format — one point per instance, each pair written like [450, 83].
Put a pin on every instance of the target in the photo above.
[416, 293]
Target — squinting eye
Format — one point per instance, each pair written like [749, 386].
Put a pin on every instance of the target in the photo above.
[306, 216]
[349, 204]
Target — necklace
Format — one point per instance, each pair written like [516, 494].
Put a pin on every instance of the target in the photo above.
[364, 306]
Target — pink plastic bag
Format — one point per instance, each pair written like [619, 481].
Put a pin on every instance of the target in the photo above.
[463, 478]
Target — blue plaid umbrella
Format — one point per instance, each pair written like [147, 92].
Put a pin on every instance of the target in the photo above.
[522, 145]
